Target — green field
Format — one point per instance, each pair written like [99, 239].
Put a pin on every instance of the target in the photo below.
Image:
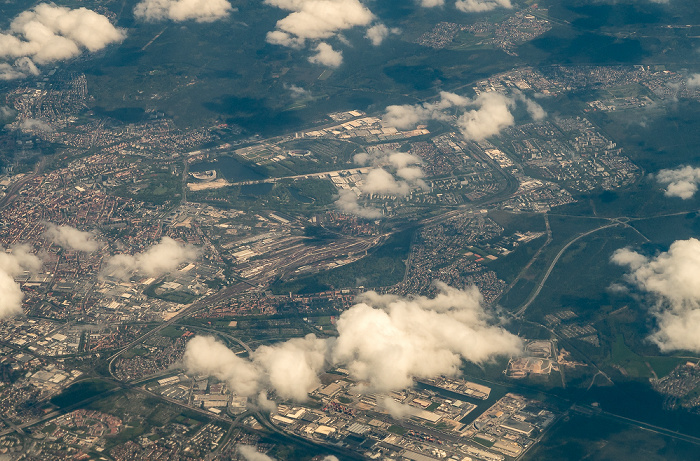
[598, 438]
[80, 391]
[632, 363]
[179, 297]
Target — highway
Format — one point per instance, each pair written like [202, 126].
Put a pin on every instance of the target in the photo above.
[534, 258]
[587, 410]
[197, 305]
[12, 191]
[519, 313]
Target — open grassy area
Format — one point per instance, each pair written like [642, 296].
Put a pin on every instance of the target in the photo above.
[632, 363]
[141, 413]
[171, 332]
[595, 437]
[664, 365]
[564, 228]
[179, 297]
[80, 391]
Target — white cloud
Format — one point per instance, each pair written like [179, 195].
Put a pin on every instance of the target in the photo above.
[362, 158]
[49, 33]
[402, 175]
[7, 112]
[492, 113]
[326, 56]
[22, 68]
[12, 264]
[694, 80]
[627, 257]
[398, 159]
[71, 238]
[431, 3]
[478, 6]
[380, 181]
[277, 37]
[160, 259]
[293, 367]
[250, 453]
[265, 404]
[378, 32]
[395, 409]
[205, 355]
[535, 111]
[31, 124]
[348, 203]
[297, 91]
[320, 19]
[681, 182]
[183, 10]
[412, 174]
[408, 116]
[491, 116]
[385, 341]
[671, 278]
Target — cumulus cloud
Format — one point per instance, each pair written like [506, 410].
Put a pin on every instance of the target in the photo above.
[408, 116]
[491, 113]
[320, 19]
[265, 404]
[326, 56]
[277, 37]
[394, 173]
[205, 355]
[292, 367]
[385, 341]
[7, 112]
[161, 258]
[182, 10]
[12, 264]
[395, 409]
[680, 182]
[535, 111]
[22, 68]
[71, 238]
[378, 32]
[671, 279]
[694, 80]
[31, 124]
[380, 181]
[627, 257]
[431, 3]
[297, 91]
[479, 6]
[250, 453]
[491, 116]
[388, 340]
[49, 33]
[348, 203]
